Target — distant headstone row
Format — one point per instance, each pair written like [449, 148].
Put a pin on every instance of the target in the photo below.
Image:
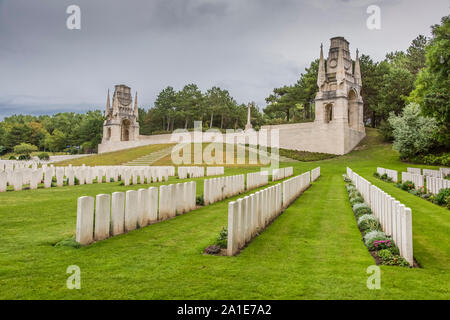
[199, 172]
[248, 216]
[395, 218]
[191, 172]
[257, 179]
[280, 174]
[215, 171]
[20, 176]
[440, 174]
[393, 174]
[108, 216]
[217, 189]
[429, 181]
[315, 174]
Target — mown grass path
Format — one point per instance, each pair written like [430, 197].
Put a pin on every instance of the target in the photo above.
[312, 251]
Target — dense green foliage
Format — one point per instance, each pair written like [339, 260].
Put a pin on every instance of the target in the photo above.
[60, 132]
[432, 87]
[413, 133]
[214, 108]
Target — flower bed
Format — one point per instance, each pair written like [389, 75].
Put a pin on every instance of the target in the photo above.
[381, 247]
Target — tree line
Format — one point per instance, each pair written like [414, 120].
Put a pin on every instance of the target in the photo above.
[215, 108]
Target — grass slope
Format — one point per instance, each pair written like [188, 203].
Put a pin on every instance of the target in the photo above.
[114, 158]
[312, 251]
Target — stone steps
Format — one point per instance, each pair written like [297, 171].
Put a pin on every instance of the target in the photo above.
[149, 159]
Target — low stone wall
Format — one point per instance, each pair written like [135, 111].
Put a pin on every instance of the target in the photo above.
[395, 218]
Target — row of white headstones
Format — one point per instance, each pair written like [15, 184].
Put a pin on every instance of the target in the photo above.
[22, 176]
[282, 173]
[394, 217]
[433, 184]
[111, 215]
[248, 216]
[218, 189]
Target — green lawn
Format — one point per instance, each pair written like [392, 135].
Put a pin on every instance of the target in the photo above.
[312, 251]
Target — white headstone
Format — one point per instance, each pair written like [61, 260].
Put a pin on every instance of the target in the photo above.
[85, 220]
[102, 216]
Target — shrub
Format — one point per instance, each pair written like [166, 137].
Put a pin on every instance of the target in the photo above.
[25, 148]
[368, 222]
[356, 200]
[432, 159]
[414, 192]
[361, 209]
[372, 236]
[354, 193]
[24, 157]
[442, 197]
[222, 240]
[76, 181]
[12, 158]
[347, 179]
[350, 188]
[413, 133]
[407, 186]
[200, 201]
[397, 260]
[385, 177]
[377, 175]
[43, 156]
[385, 254]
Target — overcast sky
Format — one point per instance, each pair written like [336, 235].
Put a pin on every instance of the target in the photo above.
[245, 46]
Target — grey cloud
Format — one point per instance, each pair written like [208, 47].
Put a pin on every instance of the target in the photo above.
[246, 46]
